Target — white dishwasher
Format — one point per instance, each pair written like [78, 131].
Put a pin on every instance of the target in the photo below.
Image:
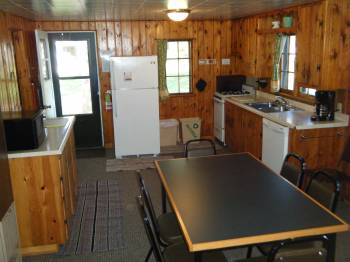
[274, 144]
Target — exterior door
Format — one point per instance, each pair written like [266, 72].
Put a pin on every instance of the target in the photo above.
[47, 92]
[74, 68]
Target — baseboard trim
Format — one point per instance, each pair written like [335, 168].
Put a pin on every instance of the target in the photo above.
[39, 250]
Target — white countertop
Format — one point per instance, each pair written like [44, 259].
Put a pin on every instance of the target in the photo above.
[57, 132]
[299, 119]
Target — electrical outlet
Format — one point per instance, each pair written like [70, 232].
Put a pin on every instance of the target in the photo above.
[339, 107]
[202, 61]
[225, 61]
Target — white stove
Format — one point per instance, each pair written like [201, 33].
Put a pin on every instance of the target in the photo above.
[219, 109]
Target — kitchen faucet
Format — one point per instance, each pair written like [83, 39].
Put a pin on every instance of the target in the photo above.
[281, 100]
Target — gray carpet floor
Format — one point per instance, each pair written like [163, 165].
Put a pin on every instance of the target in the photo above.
[136, 244]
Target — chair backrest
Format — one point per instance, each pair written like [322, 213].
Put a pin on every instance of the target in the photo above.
[316, 254]
[199, 147]
[291, 172]
[325, 189]
[152, 237]
[148, 202]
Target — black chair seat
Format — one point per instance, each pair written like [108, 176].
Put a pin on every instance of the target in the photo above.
[303, 258]
[169, 230]
[304, 255]
[179, 252]
[299, 248]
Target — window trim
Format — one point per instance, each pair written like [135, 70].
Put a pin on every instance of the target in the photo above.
[190, 53]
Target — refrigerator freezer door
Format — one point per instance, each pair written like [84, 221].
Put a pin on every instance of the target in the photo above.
[136, 122]
[137, 72]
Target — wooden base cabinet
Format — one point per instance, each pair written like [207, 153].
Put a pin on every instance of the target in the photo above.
[321, 147]
[243, 130]
[45, 189]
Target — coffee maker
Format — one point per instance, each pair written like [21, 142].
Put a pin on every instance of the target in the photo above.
[325, 106]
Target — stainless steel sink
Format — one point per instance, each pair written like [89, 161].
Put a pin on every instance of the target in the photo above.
[271, 107]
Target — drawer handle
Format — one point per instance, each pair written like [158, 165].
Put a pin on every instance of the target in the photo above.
[303, 137]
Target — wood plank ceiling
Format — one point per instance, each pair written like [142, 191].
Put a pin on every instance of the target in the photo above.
[82, 10]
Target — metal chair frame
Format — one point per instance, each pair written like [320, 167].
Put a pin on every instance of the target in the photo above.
[199, 140]
[302, 163]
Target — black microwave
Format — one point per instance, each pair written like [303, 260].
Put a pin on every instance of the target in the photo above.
[24, 130]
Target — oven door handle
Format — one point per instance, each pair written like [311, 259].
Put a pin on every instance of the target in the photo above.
[219, 100]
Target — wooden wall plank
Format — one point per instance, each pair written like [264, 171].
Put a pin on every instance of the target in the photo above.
[236, 39]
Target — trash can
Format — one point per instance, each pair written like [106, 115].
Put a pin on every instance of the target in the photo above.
[191, 128]
[169, 132]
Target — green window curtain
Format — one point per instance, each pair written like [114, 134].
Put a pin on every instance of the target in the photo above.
[280, 42]
[162, 53]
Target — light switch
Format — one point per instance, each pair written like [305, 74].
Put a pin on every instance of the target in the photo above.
[127, 76]
[225, 61]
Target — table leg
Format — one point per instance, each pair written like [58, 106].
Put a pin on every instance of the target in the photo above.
[163, 200]
[331, 248]
[198, 257]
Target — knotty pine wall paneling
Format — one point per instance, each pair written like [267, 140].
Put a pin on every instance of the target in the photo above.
[210, 39]
[336, 54]
[310, 39]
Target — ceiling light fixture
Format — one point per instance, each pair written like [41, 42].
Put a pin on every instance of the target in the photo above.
[178, 15]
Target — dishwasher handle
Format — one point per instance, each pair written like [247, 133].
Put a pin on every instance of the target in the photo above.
[275, 129]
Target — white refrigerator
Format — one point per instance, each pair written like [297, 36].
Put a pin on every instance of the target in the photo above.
[134, 83]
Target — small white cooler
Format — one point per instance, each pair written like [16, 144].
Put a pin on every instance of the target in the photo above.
[169, 132]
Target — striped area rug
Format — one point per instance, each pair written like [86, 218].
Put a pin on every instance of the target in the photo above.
[97, 224]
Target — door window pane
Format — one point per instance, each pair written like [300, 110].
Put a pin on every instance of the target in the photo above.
[75, 96]
[172, 84]
[184, 67]
[184, 84]
[184, 49]
[72, 58]
[172, 50]
[172, 67]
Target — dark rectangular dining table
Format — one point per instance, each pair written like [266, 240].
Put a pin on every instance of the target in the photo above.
[233, 200]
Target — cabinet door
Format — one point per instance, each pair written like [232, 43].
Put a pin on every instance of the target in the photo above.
[65, 184]
[237, 134]
[38, 196]
[228, 124]
[321, 148]
[233, 127]
[74, 172]
[310, 37]
[252, 131]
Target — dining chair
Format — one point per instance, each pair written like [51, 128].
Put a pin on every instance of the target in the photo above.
[193, 150]
[344, 162]
[176, 252]
[323, 188]
[281, 251]
[294, 171]
[165, 225]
